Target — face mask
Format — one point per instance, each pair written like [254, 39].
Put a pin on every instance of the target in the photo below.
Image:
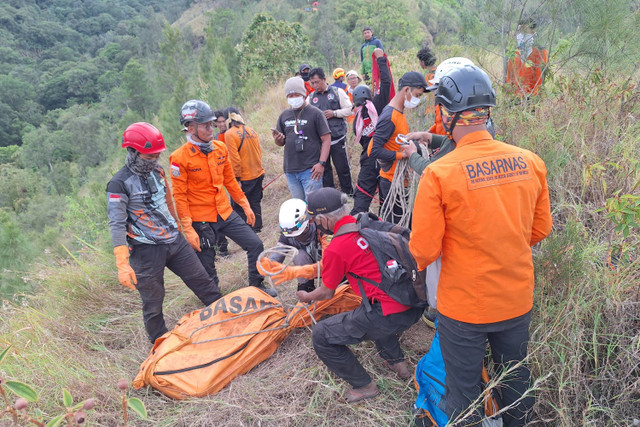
[138, 165]
[305, 76]
[413, 103]
[296, 102]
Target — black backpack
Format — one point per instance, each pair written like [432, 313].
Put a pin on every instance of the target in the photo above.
[389, 243]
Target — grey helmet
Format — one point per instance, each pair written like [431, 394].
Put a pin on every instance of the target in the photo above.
[465, 88]
[196, 111]
[360, 95]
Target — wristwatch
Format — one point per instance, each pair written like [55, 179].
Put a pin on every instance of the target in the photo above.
[322, 163]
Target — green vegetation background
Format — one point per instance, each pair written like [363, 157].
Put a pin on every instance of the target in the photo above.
[74, 74]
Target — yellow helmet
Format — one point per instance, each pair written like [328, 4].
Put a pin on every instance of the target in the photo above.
[337, 73]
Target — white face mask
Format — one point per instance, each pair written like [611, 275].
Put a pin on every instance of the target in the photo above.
[296, 102]
[413, 103]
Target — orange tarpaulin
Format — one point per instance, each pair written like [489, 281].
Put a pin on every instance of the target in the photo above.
[210, 347]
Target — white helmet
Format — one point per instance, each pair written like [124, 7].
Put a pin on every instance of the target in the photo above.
[293, 217]
[449, 65]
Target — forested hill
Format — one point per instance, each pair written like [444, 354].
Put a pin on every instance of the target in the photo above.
[59, 53]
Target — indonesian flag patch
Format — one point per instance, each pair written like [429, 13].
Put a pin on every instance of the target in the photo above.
[175, 170]
[114, 198]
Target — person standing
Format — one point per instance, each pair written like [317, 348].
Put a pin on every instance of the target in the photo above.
[482, 206]
[366, 50]
[368, 108]
[525, 72]
[245, 154]
[338, 77]
[304, 133]
[335, 105]
[144, 230]
[200, 174]
[392, 122]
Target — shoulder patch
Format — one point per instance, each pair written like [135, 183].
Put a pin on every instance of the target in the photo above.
[114, 198]
[175, 170]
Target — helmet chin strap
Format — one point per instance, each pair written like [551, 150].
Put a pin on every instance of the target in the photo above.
[196, 134]
[449, 130]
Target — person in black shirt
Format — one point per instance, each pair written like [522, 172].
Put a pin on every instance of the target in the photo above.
[304, 132]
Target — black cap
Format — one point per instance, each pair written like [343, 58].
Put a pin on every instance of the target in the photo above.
[413, 79]
[324, 200]
[303, 67]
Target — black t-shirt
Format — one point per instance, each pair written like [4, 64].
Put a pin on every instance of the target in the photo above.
[312, 123]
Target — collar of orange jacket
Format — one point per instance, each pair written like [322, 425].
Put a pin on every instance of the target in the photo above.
[479, 135]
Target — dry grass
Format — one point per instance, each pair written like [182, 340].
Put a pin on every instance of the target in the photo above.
[83, 331]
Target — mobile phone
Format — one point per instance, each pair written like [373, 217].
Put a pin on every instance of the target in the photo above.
[273, 129]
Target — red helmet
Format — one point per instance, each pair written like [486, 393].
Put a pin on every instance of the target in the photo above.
[143, 138]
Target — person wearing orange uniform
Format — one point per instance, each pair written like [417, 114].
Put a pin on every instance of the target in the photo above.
[200, 174]
[525, 70]
[392, 122]
[245, 154]
[481, 207]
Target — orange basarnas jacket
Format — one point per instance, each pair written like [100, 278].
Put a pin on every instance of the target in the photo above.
[526, 76]
[245, 153]
[482, 207]
[199, 183]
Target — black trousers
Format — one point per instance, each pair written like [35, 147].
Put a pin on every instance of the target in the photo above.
[338, 155]
[463, 348]
[385, 187]
[367, 183]
[240, 232]
[331, 337]
[253, 190]
[149, 261]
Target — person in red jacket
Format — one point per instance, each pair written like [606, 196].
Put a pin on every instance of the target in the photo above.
[481, 207]
[381, 323]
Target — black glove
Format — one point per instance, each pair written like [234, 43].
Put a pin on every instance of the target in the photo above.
[206, 234]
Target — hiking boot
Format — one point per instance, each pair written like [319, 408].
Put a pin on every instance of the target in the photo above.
[269, 291]
[401, 369]
[355, 395]
[306, 286]
[429, 317]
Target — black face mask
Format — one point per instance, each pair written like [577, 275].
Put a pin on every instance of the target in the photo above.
[140, 166]
[305, 76]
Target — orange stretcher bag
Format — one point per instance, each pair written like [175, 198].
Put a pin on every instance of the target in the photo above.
[210, 347]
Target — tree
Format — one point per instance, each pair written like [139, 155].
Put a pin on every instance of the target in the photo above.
[138, 93]
[274, 48]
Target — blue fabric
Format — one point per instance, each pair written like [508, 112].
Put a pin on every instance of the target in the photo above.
[430, 377]
[301, 185]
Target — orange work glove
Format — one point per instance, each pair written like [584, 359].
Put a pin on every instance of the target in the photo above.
[266, 266]
[126, 275]
[190, 234]
[251, 217]
[309, 271]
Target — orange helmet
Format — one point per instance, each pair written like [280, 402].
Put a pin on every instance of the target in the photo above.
[337, 73]
[143, 138]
